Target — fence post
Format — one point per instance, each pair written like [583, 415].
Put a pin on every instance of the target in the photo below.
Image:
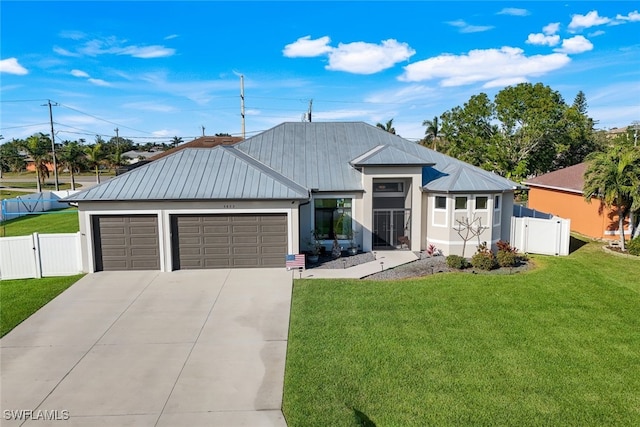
[36, 254]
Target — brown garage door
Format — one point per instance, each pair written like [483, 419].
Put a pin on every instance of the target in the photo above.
[229, 241]
[126, 242]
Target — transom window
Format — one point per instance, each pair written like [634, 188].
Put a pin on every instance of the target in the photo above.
[333, 218]
[481, 202]
[461, 203]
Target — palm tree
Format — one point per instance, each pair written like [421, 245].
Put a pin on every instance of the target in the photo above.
[432, 133]
[38, 147]
[95, 158]
[72, 156]
[176, 141]
[387, 127]
[613, 177]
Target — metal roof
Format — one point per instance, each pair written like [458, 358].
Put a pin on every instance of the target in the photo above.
[316, 155]
[384, 155]
[196, 174]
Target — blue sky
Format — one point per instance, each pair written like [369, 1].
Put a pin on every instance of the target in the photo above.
[158, 69]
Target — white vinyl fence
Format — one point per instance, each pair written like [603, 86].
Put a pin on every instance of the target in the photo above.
[32, 203]
[541, 236]
[40, 255]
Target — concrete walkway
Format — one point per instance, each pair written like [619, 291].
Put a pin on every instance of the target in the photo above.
[188, 348]
[384, 260]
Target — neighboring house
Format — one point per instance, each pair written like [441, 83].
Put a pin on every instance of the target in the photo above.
[560, 193]
[202, 142]
[250, 204]
[135, 156]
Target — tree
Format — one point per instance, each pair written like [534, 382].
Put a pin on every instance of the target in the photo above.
[95, 157]
[176, 141]
[37, 147]
[614, 178]
[10, 157]
[387, 127]
[432, 133]
[72, 157]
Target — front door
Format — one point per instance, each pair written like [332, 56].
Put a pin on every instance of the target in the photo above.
[389, 225]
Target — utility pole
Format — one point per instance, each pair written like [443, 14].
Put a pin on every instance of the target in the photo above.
[53, 143]
[117, 138]
[309, 113]
[1, 138]
[242, 102]
[202, 130]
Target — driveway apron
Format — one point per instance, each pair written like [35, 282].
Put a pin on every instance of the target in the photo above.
[191, 348]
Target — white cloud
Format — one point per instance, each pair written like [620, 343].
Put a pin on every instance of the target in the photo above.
[577, 44]
[631, 17]
[305, 47]
[551, 29]
[12, 66]
[99, 82]
[79, 73]
[407, 93]
[489, 66]
[508, 81]
[468, 28]
[596, 33]
[368, 58]
[346, 114]
[73, 35]
[146, 52]
[171, 36]
[591, 19]
[513, 11]
[150, 106]
[65, 52]
[543, 40]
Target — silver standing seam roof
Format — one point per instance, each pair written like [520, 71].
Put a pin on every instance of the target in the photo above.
[287, 162]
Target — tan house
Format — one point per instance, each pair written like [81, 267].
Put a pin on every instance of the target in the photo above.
[251, 203]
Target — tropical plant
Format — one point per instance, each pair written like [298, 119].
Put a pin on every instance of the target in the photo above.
[176, 140]
[634, 246]
[72, 157]
[10, 158]
[457, 262]
[484, 259]
[95, 157]
[388, 127]
[432, 133]
[613, 177]
[38, 148]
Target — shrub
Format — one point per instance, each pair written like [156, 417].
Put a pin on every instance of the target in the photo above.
[484, 258]
[634, 246]
[507, 259]
[456, 261]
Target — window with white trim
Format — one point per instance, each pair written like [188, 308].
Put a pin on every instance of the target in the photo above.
[440, 202]
[481, 203]
[461, 203]
[333, 218]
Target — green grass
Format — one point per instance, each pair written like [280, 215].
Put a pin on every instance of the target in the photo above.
[19, 299]
[60, 221]
[10, 194]
[47, 185]
[558, 345]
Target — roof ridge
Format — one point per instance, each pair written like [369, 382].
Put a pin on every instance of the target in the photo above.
[261, 166]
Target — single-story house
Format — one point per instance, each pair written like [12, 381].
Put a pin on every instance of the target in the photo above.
[201, 142]
[252, 203]
[560, 193]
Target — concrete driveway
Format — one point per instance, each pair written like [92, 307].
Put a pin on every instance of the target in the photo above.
[153, 349]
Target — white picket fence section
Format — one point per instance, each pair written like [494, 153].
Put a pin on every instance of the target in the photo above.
[31, 203]
[541, 236]
[40, 255]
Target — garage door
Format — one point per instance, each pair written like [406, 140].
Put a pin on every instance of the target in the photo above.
[126, 242]
[229, 241]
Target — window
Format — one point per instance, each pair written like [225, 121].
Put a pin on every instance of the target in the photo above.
[388, 187]
[333, 217]
[441, 202]
[481, 202]
[496, 203]
[461, 203]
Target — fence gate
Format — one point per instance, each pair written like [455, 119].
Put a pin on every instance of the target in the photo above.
[541, 236]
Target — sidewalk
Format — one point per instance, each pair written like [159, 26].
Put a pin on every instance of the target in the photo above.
[384, 260]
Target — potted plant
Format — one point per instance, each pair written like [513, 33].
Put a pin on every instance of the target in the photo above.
[353, 246]
[315, 246]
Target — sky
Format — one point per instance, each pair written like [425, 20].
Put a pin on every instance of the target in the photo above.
[159, 69]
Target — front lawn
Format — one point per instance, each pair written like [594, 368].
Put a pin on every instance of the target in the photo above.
[558, 345]
[19, 299]
[60, 221]
[11, 194]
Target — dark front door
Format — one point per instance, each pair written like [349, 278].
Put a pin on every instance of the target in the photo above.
[389, 225]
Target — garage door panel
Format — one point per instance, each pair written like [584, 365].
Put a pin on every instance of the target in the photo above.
[227, 241]
[126, 242]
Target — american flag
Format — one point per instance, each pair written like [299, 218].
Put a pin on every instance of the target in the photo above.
[295, 261]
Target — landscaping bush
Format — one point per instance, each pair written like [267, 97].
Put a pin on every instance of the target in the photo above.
[456, 261]
[507, 259]
[507, 255]
[484, 258]
[634, 246]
